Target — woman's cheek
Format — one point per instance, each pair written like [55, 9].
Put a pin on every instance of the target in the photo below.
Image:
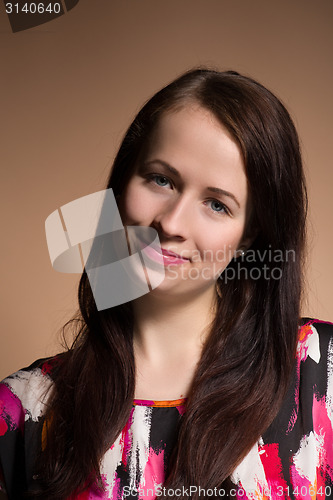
[138, 208]
[225, 246]
[129, 205]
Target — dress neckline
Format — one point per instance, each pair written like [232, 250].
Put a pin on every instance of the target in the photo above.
[160, 404]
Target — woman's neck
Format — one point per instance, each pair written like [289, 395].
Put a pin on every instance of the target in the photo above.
[165, 324]
[168, 339]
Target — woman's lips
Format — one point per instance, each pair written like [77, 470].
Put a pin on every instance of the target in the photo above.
[166, 257]
[173, 258]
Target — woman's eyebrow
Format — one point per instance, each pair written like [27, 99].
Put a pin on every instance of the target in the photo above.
[221, 192]
[166, 165]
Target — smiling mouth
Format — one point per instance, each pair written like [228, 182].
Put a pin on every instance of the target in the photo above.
[173, 258]
[164, 257]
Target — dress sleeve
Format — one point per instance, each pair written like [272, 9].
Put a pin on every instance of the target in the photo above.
[316, 406]
[23, 398]
[294, 457]
[3, 494]
[12, 463]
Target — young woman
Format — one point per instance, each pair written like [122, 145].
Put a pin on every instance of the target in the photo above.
[210, 385]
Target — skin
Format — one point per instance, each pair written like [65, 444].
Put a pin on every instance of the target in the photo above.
[190, 152]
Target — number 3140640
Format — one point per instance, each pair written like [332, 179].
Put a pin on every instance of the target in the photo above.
[33, 8]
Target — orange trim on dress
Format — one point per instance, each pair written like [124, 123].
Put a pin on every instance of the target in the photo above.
[159, 404]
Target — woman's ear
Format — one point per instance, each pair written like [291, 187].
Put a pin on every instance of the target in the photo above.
[249, 239]
[251, 229]
[250, 234]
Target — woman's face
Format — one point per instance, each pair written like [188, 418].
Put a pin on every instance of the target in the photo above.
[192, 188]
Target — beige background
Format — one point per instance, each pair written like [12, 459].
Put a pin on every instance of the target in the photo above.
[69, 89]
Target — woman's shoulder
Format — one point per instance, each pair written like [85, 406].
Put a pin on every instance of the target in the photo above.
[315, 339]
[326, 327]
[314, 361]
[23, 405]
[23, 394]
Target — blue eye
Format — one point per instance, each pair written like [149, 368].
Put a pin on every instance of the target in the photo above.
[217, 206]
[160, 180]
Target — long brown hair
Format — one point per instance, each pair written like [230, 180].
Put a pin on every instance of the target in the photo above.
[247, 360]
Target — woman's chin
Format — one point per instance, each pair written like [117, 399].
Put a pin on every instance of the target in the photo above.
[181, 288]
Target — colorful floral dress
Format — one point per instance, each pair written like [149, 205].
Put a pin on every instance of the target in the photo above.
[292, 460]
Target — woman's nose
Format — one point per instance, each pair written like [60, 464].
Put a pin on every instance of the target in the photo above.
[174, 219]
